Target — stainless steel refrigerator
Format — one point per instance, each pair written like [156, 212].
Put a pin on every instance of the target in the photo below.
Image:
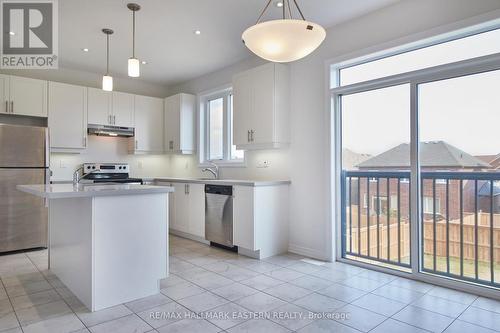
[24, 159]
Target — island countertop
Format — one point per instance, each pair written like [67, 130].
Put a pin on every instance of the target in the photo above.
[62, 191]
[239, 182]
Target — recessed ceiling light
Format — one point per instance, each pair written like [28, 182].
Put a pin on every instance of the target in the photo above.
[279, 4]
[144, 62]
[197, 32]
[85, 49]
[12, 33]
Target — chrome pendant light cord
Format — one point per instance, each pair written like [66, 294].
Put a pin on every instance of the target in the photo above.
[286, 3]
[298, 8]
[133, 34]
[289, 8]
[263, 11]
[107, 54]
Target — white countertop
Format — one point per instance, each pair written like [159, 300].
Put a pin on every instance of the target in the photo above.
[239, 182]
[61, 191]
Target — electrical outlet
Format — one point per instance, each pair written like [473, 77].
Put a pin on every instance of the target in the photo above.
[263, 164]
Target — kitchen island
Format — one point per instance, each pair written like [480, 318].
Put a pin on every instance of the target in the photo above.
[107, 243]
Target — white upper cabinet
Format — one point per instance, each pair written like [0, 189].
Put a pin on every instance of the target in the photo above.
[111, 108]
[148, 125]
[4, 94]
[23, 96]
[180, 124]
[123, 109]
[67, 117]
[99, 107]
[261, 108]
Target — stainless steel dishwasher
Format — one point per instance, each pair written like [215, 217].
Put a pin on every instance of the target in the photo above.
[219, 215]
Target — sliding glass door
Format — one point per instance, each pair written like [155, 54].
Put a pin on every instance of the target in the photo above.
[417, 160]
[376, 162]
[460, 177]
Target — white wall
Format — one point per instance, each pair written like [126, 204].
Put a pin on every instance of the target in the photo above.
[306, 162]
[108, 150]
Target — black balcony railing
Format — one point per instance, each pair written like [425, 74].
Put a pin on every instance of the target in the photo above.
[459, 229]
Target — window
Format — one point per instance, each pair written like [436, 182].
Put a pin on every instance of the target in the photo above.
[382, 207]
[216, 131]
[450, 51]
[428, 207]
[423, 120]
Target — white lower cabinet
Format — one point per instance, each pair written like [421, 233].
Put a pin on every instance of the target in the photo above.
[260, 220]
[187, 208]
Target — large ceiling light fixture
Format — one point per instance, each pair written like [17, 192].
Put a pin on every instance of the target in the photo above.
[284, 40]
[133, 63]
[107, 80]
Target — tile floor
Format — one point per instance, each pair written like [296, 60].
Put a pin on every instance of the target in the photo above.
[232, 293]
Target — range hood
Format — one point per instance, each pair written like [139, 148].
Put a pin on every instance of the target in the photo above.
[104, 130]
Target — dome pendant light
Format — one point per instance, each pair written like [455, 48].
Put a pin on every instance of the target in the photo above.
[107, 80]
[284, 40]
[133, 63]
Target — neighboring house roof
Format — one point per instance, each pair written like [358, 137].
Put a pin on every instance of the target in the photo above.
[493, 160]
[351, 159]
[434, 154]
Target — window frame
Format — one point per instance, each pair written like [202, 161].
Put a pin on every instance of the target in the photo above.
[414, 78]
[204, 133]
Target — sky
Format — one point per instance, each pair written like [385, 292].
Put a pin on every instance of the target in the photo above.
[464, 111]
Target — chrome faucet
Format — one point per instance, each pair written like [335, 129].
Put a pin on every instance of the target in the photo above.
[76, 175]
[214, 171]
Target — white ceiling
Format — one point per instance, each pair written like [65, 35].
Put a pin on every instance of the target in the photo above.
[165, 37]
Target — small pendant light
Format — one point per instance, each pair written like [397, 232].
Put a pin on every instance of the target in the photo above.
[133, 63]
[107, 80]
[284, 40]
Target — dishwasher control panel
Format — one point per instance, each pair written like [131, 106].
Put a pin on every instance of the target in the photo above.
[219, 189]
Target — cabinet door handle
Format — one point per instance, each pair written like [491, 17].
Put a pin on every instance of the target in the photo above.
[185, 189]
[251, 135]
[114, 119]
[136, 144]
[6, 107]
[84, 141]
[248, 136]
[187, 186]
[109, 119]
[171, 145]
[11, 106]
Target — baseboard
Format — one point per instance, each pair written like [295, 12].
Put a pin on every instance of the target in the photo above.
[307, 252]
[188, 236]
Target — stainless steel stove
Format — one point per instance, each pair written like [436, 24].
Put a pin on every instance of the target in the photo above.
[108, 173]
